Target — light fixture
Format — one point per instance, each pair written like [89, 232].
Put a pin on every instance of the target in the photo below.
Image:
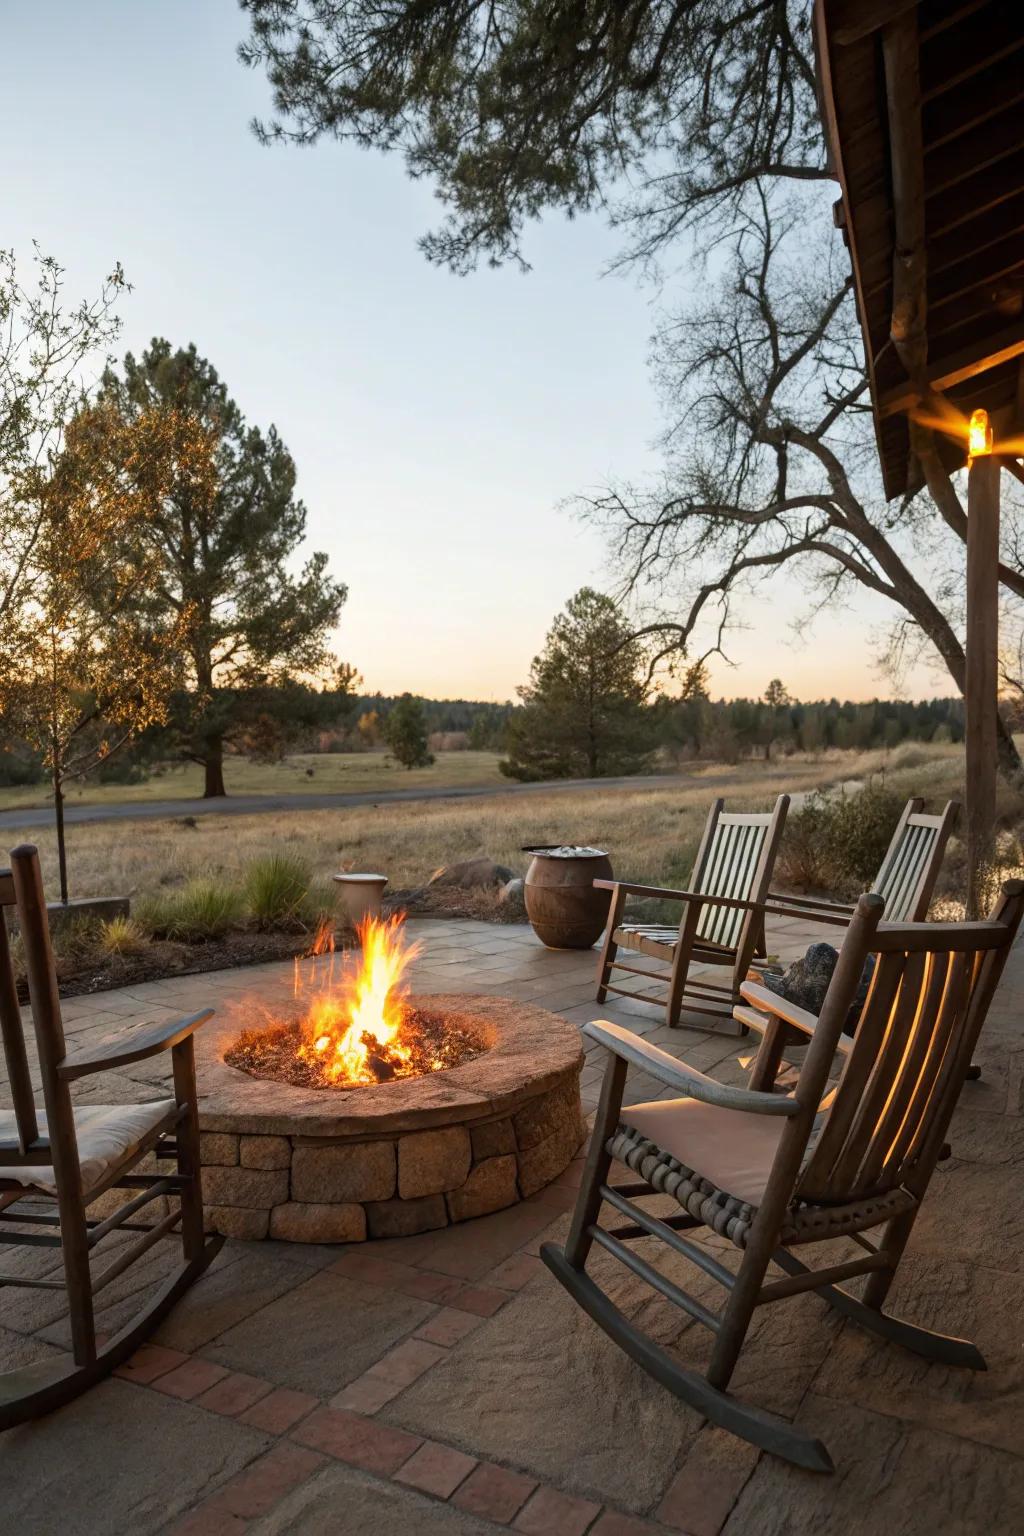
[979, 436]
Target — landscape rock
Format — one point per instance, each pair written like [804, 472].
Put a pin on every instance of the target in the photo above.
[490, 1187]
[265, 1152]
[338, 1175]
[406, 1218]
[470, 873]
[297, 1222]
[431, 1162]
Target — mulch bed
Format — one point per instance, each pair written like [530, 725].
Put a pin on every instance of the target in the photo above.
[163, 958]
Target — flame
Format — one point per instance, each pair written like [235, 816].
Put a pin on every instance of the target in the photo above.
[356, 1024]
[979, 435]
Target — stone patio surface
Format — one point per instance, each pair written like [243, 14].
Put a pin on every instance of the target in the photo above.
[444, 1385]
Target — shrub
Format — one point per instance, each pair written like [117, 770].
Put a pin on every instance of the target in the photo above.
[836, 843]
[276, 889]
[122, 936]
[201, 910]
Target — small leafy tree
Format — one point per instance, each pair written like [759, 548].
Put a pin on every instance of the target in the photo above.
[223, 551]
[44, 344]
[584, 711]
[84, 672]
[405, 731]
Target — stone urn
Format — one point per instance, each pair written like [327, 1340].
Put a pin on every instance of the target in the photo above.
[360, 896]
[564, 909]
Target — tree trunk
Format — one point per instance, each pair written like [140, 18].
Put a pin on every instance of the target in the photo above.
[58, 811]
[213, 772]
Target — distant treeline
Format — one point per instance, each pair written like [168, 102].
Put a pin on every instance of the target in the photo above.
[728, 729]
[272, 723]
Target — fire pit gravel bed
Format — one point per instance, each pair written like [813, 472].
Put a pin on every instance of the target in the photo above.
[308, 1164]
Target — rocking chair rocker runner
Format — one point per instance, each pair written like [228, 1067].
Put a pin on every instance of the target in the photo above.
[68, 1156]
[722, 922]
[772, 1173]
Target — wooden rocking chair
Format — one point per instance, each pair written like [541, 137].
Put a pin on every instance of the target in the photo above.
[722, 922]
[772, 1173]
[905, 880]
[70, 1155]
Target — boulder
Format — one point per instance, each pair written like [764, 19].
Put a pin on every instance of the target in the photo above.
[471, 874]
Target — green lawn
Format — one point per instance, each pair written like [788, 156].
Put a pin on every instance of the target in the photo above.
[305, 773]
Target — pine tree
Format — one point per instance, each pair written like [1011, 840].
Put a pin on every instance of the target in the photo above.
[224, 548]
[405, 731]
[584, 713]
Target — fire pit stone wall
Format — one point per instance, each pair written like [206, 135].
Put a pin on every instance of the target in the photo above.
[404, 1157]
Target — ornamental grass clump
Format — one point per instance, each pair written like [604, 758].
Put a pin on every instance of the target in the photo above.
[200, 911]
[276, 891]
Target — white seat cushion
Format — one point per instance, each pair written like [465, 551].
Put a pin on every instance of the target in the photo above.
[732, 1149]
[105, 1132]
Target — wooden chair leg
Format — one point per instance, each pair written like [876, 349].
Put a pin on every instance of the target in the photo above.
[588, 1202]
[609, 948]
[894, 1240]
[187, 1139]
[736, 1317]
[78, 1279]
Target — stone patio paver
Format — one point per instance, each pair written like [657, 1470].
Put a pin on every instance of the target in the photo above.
[348, 1388]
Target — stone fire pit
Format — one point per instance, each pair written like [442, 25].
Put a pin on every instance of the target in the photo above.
[332, 1165]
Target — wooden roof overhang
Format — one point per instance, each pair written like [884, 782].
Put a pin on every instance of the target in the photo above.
[923, 106]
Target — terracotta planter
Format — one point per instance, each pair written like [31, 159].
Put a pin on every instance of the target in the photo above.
[563, 907]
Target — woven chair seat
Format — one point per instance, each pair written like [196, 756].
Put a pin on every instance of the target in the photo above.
[731, 1216]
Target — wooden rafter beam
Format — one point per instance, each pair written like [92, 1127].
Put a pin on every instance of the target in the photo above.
[851, 20]
[956, 368]
[900, 52]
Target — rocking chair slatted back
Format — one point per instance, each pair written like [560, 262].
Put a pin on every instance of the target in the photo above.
[735, 852]
[14, 1038]
[911, 864]
[929, 992]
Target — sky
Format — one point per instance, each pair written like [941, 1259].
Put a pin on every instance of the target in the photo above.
[440, 424]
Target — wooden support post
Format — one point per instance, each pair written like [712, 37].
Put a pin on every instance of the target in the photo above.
[982, 681]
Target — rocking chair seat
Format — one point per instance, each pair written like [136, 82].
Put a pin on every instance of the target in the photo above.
[105, 1133]
[746, 1162]
[653, 938]
[733, 1149]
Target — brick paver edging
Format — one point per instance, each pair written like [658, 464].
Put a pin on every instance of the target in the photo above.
[309, 1432]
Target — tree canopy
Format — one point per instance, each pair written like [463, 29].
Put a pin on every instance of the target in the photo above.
[222, 547]
[694, 125]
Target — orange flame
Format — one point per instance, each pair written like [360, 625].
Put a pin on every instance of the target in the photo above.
[361, 1020]
[979, 435]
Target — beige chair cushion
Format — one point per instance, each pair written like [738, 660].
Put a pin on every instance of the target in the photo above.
[730, 1148]
[105, 1132]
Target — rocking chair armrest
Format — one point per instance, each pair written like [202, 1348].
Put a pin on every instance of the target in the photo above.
[837, 913]
[765, 1001]
[685, 1080]
[132, 1045]
[702, 898]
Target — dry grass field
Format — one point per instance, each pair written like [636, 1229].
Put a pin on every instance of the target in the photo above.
[651, 833]
[301, 773]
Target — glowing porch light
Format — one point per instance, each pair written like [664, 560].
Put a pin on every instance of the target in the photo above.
[979, 436]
